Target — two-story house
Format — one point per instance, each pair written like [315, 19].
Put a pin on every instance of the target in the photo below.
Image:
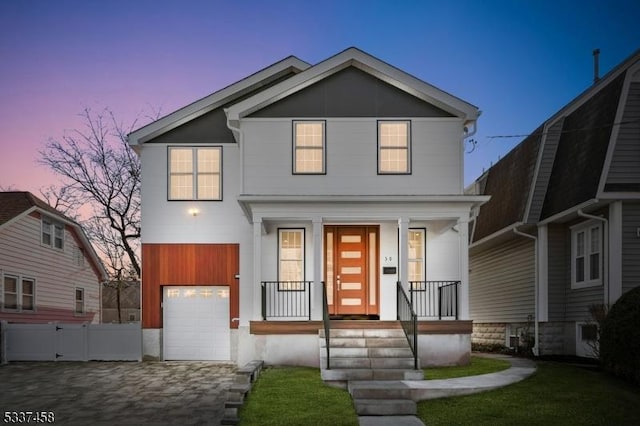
[343, 178]
[561, 232]
[48, 269]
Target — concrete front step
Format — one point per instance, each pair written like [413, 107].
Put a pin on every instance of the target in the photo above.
[385, 407]
[379, 389]
[365, 342]
[367, 333]
[343, 352]
[347, 374]
[375, 363]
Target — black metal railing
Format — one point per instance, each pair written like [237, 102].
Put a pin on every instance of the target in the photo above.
[434, 299]
[286, 299]
[409, 321]
[327, 323]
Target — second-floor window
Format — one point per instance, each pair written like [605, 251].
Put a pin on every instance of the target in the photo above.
[195, 173]
[309, 147]
[586, 249]
[394, 147]
[52, 233]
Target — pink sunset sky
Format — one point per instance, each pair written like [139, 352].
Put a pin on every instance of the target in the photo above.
[518, 61]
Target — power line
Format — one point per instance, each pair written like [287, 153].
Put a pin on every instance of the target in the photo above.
[620, 123]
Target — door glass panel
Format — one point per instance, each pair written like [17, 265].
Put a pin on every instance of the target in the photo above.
[373, 276]
[351, 301]
[351, 255]
[351, 270]
[351, 286]
[350, 239]
[329, 261]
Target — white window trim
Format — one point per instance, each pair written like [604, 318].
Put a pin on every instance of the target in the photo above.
[296, 148]
[75, 301]
[380, 148]
[292, 287]
[422, 231]
[19, 293]
[194, 173]
[586, 228]
[48, 225]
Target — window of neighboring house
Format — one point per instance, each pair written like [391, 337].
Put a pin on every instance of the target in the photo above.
[195, 173]
[309, 147]
[417, 271]
[52, 233]
[586, 254]
[18, 293]
[290, 259]
[79, 308]
[394, 147]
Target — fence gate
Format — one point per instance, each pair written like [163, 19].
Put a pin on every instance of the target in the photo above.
[71, 342]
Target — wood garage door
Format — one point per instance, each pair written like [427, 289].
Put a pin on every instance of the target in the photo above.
[196, 323]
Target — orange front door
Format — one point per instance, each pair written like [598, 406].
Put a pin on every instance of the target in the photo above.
[351, 269]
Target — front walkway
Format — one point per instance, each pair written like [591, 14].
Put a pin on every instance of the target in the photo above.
[421, 390]
[118, 393]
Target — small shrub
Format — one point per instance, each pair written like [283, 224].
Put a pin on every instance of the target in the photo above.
[490, 348]
[620, 337]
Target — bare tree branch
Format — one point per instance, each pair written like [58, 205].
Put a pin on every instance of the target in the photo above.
[101, 179]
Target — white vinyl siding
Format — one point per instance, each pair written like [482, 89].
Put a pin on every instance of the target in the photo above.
[586, 255]
[195, 173]
[502, 282]
[625, 167]
[436, 155]
[308, 147]
[24, 255]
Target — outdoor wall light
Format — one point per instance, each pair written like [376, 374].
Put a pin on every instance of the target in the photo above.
[194, 212]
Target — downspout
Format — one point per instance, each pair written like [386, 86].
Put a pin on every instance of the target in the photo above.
[240, 148]
[535, 287]
[605, 251]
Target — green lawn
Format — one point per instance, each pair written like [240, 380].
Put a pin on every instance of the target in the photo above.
[478, 365]
[557, 394]
[284, 396]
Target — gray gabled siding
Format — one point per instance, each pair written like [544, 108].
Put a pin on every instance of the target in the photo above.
[630, 245]
[501, 282]
[624, 172]
[544, 171]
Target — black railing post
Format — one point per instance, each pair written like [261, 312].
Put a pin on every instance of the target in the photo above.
[439, 303]
[408, 320]
[456, 303]
[309, 300]
[327, 324]
[264, 301]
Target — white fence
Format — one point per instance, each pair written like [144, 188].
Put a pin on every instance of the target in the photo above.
[71, 342]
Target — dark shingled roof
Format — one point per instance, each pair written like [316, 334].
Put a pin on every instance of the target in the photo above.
[14, 203]
[508, 182]
[582, 150]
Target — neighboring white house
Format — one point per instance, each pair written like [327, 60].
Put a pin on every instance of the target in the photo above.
[49, 271]
[562, 230]
[347, 172]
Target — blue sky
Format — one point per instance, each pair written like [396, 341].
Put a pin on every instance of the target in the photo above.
[518, 61]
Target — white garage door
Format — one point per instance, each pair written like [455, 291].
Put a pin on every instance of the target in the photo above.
[196, 323]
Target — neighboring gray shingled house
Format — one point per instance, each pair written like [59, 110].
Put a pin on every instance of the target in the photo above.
[573, 187]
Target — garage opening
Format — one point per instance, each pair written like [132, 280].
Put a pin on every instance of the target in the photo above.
[196, 323]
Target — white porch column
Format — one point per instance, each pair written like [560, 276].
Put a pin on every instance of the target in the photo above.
[463, 238]
[614, 282]
[403, 251]
[316, 297]
[257, 268]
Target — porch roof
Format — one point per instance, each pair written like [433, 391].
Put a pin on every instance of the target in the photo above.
[360, 207]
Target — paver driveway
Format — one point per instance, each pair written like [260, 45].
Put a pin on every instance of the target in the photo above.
[117, 393]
